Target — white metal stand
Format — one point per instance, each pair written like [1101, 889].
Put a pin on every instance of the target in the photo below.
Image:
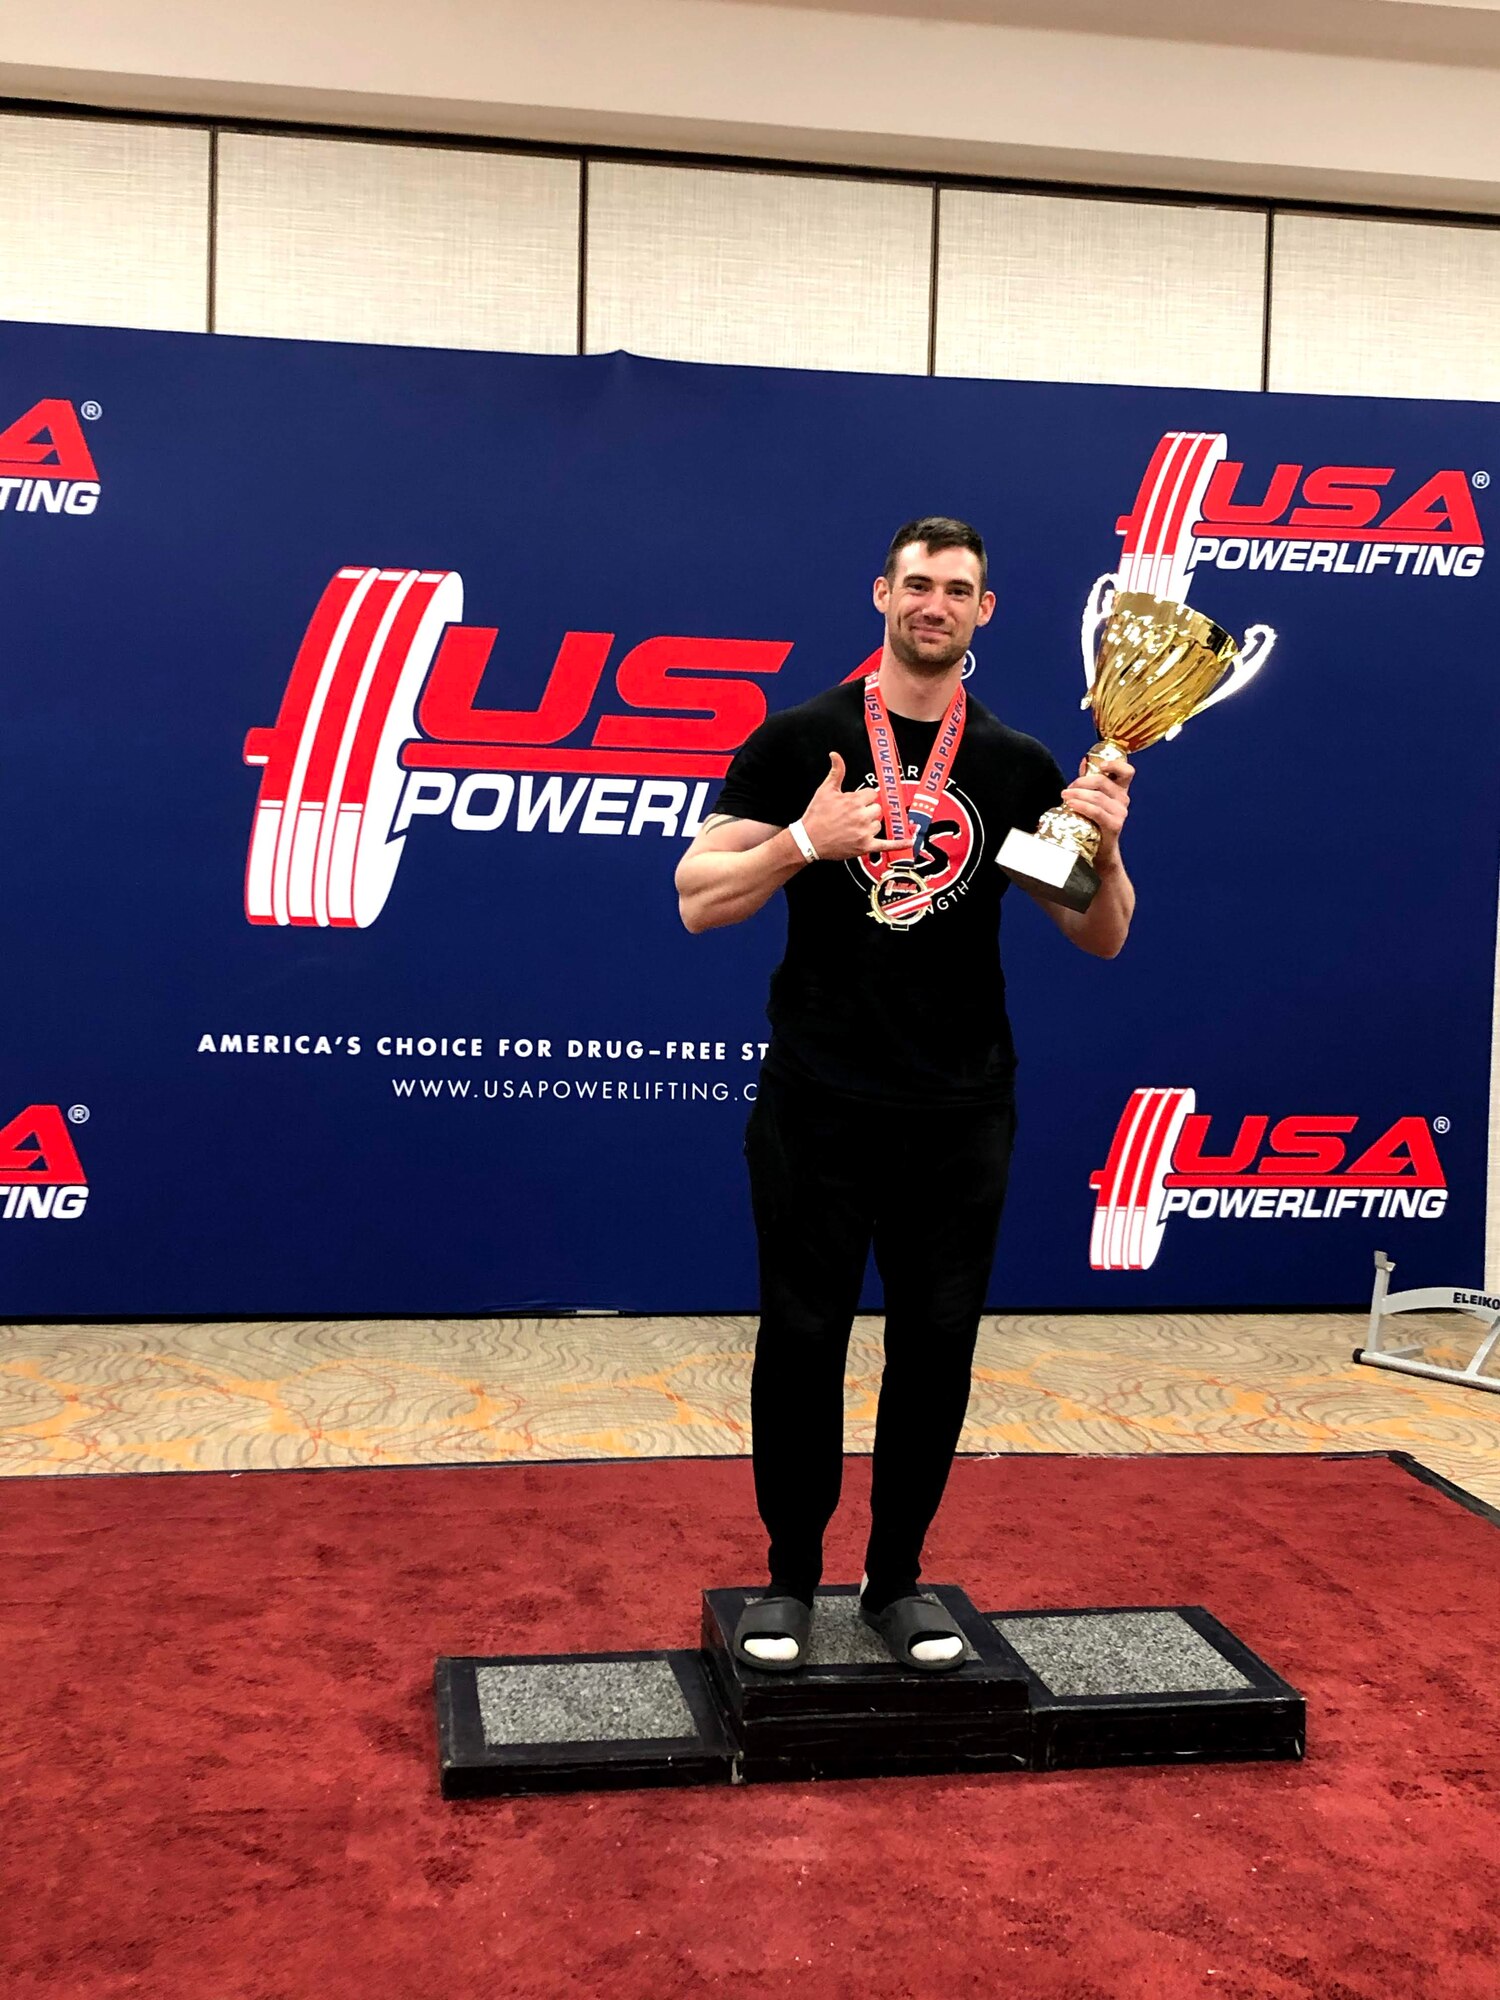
[1384, 1304]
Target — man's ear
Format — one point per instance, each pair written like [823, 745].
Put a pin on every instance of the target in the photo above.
[882, 594]
[986, 608]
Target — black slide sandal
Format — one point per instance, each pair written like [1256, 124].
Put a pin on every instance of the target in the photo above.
[908, 1619]
[773, 1618]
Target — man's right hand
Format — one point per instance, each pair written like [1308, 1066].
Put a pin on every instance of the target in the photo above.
[841, 824]
[735, 866]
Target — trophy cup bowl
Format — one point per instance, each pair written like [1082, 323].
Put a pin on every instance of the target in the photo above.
[1157, 664]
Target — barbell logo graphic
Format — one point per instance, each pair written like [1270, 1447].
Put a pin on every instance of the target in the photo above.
[1197, 506]
[1294, 1168]
[321, 847]
[379, 723]
[41, 1175]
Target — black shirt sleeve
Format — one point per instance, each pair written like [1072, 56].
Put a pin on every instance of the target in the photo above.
[768, 778]
[1046, 785]
[1038, 783]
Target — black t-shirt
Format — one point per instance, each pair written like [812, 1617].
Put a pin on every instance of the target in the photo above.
[913, 1015]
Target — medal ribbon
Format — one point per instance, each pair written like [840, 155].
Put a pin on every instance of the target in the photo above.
[910, 828]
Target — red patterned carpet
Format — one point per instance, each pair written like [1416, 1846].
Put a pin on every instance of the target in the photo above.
[216, 1748]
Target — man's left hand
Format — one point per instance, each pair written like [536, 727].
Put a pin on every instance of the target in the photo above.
[1102, 796]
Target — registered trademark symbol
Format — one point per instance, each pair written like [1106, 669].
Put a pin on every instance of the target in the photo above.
[1441, 1125]
[78, 1114]
[92, 410]
[1481, 480]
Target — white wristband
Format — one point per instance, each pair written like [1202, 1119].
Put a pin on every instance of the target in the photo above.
[805, 847]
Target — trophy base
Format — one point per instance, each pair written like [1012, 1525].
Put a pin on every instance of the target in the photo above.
[1055, 874]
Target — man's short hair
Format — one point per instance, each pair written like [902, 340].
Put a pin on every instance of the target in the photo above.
[934, 532]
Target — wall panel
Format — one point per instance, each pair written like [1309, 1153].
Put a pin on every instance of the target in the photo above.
[1054, 288]
[786, 270]
[103, 224]
[1384, 308]
[327, 239]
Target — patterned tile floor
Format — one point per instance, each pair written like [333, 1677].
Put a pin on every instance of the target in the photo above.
[181, 1398]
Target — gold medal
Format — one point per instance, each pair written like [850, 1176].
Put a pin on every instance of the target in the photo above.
[900, 898]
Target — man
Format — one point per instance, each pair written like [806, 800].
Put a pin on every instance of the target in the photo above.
[885, 1112]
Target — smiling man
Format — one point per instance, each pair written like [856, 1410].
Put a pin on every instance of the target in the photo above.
[886, 1108]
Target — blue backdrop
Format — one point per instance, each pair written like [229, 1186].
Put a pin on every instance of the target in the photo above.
[1316, 860]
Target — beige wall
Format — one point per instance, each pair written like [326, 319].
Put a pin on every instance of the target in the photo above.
[325, 237]
[1370, 100]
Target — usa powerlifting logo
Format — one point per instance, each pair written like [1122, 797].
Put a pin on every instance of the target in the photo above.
[1199, 507]
[41, 1176]
[46, 466]
[1308, 1169]
[380, 725]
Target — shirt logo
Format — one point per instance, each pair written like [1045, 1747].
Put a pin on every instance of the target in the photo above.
[954, 844]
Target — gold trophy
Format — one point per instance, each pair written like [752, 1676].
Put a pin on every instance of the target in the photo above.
[1150, 665]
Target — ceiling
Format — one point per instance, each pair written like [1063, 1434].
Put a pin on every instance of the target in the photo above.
[1460, 32]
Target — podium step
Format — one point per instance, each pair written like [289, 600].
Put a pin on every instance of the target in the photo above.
[1149, 1684]
[555, 1722]
[853, 1711]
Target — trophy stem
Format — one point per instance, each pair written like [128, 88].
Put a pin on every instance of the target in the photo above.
[1071, 830]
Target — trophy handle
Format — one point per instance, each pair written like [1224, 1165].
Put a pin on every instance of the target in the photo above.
[1096, 610]
[1252, 656]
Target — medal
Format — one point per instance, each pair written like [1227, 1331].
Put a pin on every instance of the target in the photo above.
[900, 898]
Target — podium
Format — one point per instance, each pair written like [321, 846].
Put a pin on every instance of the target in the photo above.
[852, 1711]
[1036, 1691]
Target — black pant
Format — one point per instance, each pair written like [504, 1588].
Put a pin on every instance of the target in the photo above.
[830, 1175]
